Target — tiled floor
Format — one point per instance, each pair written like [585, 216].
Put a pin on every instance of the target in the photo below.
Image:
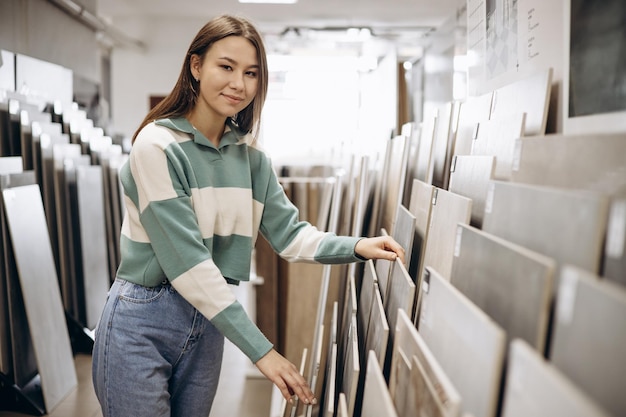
[243, 391]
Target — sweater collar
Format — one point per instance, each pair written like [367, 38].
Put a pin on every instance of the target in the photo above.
[232, 133]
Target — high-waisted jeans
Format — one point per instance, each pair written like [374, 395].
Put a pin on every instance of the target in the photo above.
[154, 355]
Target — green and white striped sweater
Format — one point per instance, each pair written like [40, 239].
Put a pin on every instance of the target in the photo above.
[193, 213]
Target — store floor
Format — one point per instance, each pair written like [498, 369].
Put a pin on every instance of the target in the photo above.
[243, 391]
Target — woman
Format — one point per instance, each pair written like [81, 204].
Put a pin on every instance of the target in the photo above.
[197, 193]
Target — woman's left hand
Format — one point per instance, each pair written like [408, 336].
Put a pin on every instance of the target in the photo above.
[381, 247]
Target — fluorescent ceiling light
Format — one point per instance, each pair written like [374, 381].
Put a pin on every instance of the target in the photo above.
[269, 1]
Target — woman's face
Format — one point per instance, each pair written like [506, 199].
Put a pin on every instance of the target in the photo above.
[229, 76]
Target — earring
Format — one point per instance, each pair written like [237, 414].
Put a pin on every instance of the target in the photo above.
[197, 80]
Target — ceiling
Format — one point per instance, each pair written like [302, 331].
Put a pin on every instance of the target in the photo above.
[307, 13]
[396, 20]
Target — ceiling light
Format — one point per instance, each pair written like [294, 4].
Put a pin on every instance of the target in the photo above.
[269, 1]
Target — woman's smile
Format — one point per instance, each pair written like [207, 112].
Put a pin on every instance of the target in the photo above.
[233, 99]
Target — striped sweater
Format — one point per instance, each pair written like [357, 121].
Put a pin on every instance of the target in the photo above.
[193, 213]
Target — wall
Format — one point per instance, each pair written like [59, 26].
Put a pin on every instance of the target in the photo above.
[41, 30]
[138, 73]
[519, 38]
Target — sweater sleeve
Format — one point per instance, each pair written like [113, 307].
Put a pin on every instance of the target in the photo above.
[296, 240]
[166, 214]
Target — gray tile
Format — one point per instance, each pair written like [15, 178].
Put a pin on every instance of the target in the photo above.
[510, 283]
[376, 399]
[534, 387]
[470, 178]
[468, 344]
[42, 298]
[589, 336]
[566, 225]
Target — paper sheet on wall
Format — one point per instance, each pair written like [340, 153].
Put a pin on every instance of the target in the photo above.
[511, 39]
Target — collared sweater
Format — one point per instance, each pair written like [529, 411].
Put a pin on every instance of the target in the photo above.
[193, 213]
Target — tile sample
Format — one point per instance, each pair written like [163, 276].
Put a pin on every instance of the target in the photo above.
[467, 343]
[589, 336]
[534, 387]
[510, 283]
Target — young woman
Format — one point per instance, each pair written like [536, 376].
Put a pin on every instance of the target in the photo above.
[197, 193]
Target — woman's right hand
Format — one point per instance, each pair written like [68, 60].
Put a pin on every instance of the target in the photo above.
[286, 377]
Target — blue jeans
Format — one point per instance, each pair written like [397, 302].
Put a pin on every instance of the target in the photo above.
[154, 354]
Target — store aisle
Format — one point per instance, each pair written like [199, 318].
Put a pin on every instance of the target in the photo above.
[243, 390]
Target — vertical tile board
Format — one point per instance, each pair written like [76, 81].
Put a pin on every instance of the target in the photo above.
[496, 137]
[348, 313]
[47, 189]
[448, 209]
[111, 202]
[473, 110]
[442, 144]
[412, 131]
[342, 406]
[425, 398]
[378, 334]
[383, 272]
[316, 370]
[47, 130]
[400, 295]
[93, 240]
[334, 322]
[530, 95]
[291, 409]
[299, 323]
[331, 375]
[360, 197]
[594, 162]
[68, 226]
[468, 344]
[316, 375]
[351, 367]
[110, 192]
[14, 127]
[376, 399]
[17, 358]
[27, 119]
[4, 128]
[325, 204]
[10, 165]
[420, 206]
[42, 299]
[510, 283]
[267, 295]
[366, 298]
[379, 180]
[469, 177]
[614, 260]
[394, 180]
[330, 362]
[347, 202]
[410, 344]
[404, 397]
[589, 336]
[567, 225]
[376, 341]
[404, 231]
[534, 387]
[423, 166]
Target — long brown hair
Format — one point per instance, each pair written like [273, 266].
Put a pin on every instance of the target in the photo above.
[183, 97]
